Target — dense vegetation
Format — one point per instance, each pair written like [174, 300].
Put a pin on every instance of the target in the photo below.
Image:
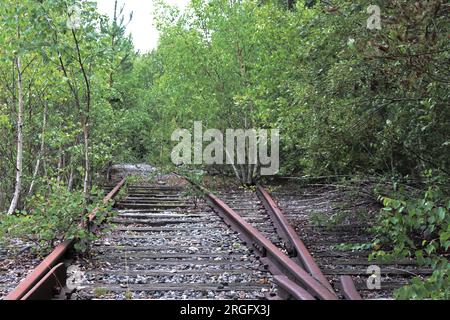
[347, 99]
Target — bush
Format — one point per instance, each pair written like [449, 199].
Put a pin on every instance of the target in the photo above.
[417, 228]
[437, 286]
[55, 216]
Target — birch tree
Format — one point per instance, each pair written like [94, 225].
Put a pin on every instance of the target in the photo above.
[18, 43]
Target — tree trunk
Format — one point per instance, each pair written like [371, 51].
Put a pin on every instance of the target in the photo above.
[19, 162]
[235, 169]
[87, 165]
[250, 177]
[41, 152]
[70, 182]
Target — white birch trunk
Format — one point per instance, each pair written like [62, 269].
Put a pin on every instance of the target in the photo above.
[19, 162]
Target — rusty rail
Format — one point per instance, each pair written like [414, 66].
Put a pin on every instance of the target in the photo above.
[278, 262]
[286, 232]
[44, 268]
[348, 288]
[55, 278]
[108, 197]
[294, 280]
[50, 273]
[291, 289]
[304, 257]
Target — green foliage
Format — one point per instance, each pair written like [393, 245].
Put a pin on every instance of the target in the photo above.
[318, 219]
[353, 246]
[347, 100]
[135, 179]
[123, 192]
[436, 287]
[196, 178]
[55, 216]
[100, 292]
[338, 217]
[417, 227]
[56, 104]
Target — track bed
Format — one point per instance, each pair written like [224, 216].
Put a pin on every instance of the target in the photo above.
[326, 217]
[165, 245]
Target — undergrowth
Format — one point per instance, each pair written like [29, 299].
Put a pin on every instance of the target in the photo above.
[54, 214]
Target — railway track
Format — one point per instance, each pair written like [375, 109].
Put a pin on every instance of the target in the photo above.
[12, 272]
[303, 207]
[48, 279]
[167, 244]
[260, 210]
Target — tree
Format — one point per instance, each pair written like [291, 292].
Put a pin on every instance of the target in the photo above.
[56, 81]
[18, 43]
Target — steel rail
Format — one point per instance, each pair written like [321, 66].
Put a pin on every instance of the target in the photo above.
[287, 232]
[56, 277]
[302, 285]
[291, 288]
[348, 288]
[40, 283]
[41, 270]
[108, 198]
[278, 262]
[300, 251]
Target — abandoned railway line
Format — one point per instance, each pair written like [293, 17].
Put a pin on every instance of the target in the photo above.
[164, 245]
[166, 242]
[343, 221]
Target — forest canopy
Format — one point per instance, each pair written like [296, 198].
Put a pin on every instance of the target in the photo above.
[352, 94]
[347, 98]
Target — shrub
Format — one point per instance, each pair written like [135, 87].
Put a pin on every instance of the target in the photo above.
[437, 286]
[54, 216]
[418, 228]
